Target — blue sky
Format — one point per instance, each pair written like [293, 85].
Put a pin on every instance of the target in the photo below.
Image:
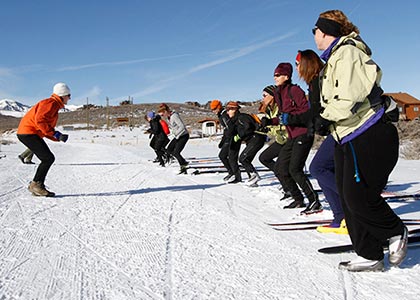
[192, 50]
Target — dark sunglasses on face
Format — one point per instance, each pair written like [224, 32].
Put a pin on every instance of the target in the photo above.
[314, 30]
[277, 75]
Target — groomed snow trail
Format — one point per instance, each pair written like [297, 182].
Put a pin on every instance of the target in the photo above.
[123, 228]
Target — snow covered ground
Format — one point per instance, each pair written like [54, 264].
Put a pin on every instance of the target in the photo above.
[123, 228]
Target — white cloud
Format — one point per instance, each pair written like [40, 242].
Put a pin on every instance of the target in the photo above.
[119, 63]
[229, 55]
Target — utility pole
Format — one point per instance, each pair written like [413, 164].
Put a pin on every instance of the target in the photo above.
[131, 113]
[87, 113]
[107, 113]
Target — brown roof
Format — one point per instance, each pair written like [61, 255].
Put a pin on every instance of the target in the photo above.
[404, 98]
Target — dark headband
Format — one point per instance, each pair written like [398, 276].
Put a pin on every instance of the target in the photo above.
[329, 27]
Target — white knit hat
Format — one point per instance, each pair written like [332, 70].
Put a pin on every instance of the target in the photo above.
[61, 89]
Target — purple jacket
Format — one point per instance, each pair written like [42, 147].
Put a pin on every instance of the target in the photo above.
[291, 99]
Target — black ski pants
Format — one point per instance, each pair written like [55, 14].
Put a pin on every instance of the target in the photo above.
[253, 145]
[370, 220]
[234, 148]
[224, 156]
[269, 154]
[289, 167]
[38, 146]
[177, 145]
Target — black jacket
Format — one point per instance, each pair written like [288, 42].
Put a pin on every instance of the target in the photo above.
[244, 125]
[307, 119]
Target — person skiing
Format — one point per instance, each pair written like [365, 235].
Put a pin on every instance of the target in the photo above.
[308, 66]
[278, 133]
[224, 144]
[159, 139]
[244, 127]
[181, 135]
[291, 160]
[26, 157]
[40, 122]
[366, 149]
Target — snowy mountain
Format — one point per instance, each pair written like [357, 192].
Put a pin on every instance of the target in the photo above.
[16, 109]
[13, 108]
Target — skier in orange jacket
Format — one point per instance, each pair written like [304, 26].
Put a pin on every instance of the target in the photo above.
[40, 122]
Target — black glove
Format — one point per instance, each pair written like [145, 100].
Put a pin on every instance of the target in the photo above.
[61, 137]
[265, 122]
[263, 129]
[322, 126]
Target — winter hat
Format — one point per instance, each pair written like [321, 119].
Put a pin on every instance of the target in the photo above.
[215, 104]
[233, 105]
[269, 89]
[284, 69]
[151, 114]
[61, 89]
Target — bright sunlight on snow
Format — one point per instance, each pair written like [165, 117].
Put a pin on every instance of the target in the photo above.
[121, 227]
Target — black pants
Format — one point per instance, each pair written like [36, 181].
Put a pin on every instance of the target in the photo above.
[370, 220]
[234, 148]
[41, 150]
[176, 146]
[253, 145]
[224, 156]
[290, 164]
[158, 144]
[269, 154]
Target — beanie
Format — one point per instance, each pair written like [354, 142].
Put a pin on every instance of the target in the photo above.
[233, 105]
[61, 89]
[151, 114]
[284, 69]
[269, 89]
[215, 104]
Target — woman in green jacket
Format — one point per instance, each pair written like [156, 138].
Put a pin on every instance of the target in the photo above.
[366, 150]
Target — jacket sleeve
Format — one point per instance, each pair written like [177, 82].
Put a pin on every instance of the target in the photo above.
[177, 126]
[45, 118]
[154, 125]
[164, 126]
[245, 126]
[306, 118]
[349, 79]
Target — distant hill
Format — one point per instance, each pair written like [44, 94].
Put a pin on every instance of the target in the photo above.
[13, 108]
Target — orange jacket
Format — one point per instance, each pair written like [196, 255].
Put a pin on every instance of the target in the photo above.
[42, 118]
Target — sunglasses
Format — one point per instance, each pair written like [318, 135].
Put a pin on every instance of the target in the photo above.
[277, 75]
[314, 30]
[297, 64]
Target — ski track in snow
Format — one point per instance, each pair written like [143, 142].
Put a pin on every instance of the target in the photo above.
[123, 228]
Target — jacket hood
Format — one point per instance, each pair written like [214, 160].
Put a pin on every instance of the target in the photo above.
[355, 40]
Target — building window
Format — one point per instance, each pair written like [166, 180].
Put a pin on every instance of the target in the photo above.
[416, 108]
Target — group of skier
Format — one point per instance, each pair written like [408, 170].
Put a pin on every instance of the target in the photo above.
[346, 104]
[352, 166]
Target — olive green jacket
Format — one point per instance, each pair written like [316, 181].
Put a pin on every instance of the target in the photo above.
[276, 132]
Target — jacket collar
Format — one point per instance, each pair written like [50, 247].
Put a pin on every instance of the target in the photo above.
[57, 99]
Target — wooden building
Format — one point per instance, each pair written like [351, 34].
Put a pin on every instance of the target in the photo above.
[408, 105]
